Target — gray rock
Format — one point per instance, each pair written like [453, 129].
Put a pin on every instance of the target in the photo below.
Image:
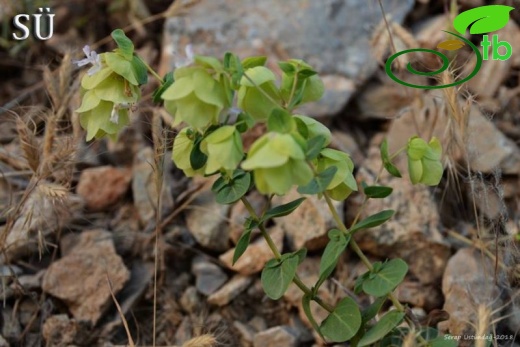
[209, 276]
[207, 222]
[331, 35]
[277, 336]
[11, 328]
[230, 290]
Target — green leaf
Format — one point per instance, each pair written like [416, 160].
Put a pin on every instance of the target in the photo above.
[244, 122]
[337, 244]
[374, 308]
[233, 190]
[306, 303]
[126, 47]
[305, 73]
[242, 245]
[168, 81]
[387, 163]
[314, 147]
[358, 286]
[288, 68]
[280, 121]
[251, 62]
[319, 183]
[443, 341]
[277, 275]
[383, 281]
[377, 192]
[140, 70]
[483, 19]
[342, 323]
[373, 220]
[382, 327]
[283, 210]
[197, 158]
[300, 254]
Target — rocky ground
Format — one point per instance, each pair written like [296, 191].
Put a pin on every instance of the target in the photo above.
[78, 220]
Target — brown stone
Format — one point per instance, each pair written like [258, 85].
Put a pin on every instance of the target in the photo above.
[308, 225]
[81, 277]
[256, 255]
[103, 186]
[277, 336]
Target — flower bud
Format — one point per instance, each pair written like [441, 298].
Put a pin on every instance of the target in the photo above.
[424, 161]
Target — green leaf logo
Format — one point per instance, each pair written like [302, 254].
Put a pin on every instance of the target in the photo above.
[483, 19]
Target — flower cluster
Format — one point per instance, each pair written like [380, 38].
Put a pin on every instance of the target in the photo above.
[110, 88]
[201, 96]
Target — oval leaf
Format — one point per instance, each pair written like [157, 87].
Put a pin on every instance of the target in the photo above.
[277, 275]
[337, 244]
[342, 323]
[228, 193]
[306, 303]
[314, 147]
[385, 280]
[483, 19]
[125, 45]
[387, 163]
[451, 45]
[373, 221]
[242, 245]
[319, 183]
[383, 327]
[377, 192]
[283, 210]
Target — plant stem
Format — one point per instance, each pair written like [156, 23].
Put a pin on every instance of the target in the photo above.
[293, 89]
[277, 255]
[354, 246]
[152, 71]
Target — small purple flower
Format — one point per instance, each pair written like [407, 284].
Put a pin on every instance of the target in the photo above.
[92, 58]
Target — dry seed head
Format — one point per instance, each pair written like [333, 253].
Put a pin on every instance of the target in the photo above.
[29, 144]
[201, 341]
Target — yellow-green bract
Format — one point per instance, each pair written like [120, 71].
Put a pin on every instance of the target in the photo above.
[195, 97]
[224, 149]
[107, 97]
[258, 94]
[278, 163]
